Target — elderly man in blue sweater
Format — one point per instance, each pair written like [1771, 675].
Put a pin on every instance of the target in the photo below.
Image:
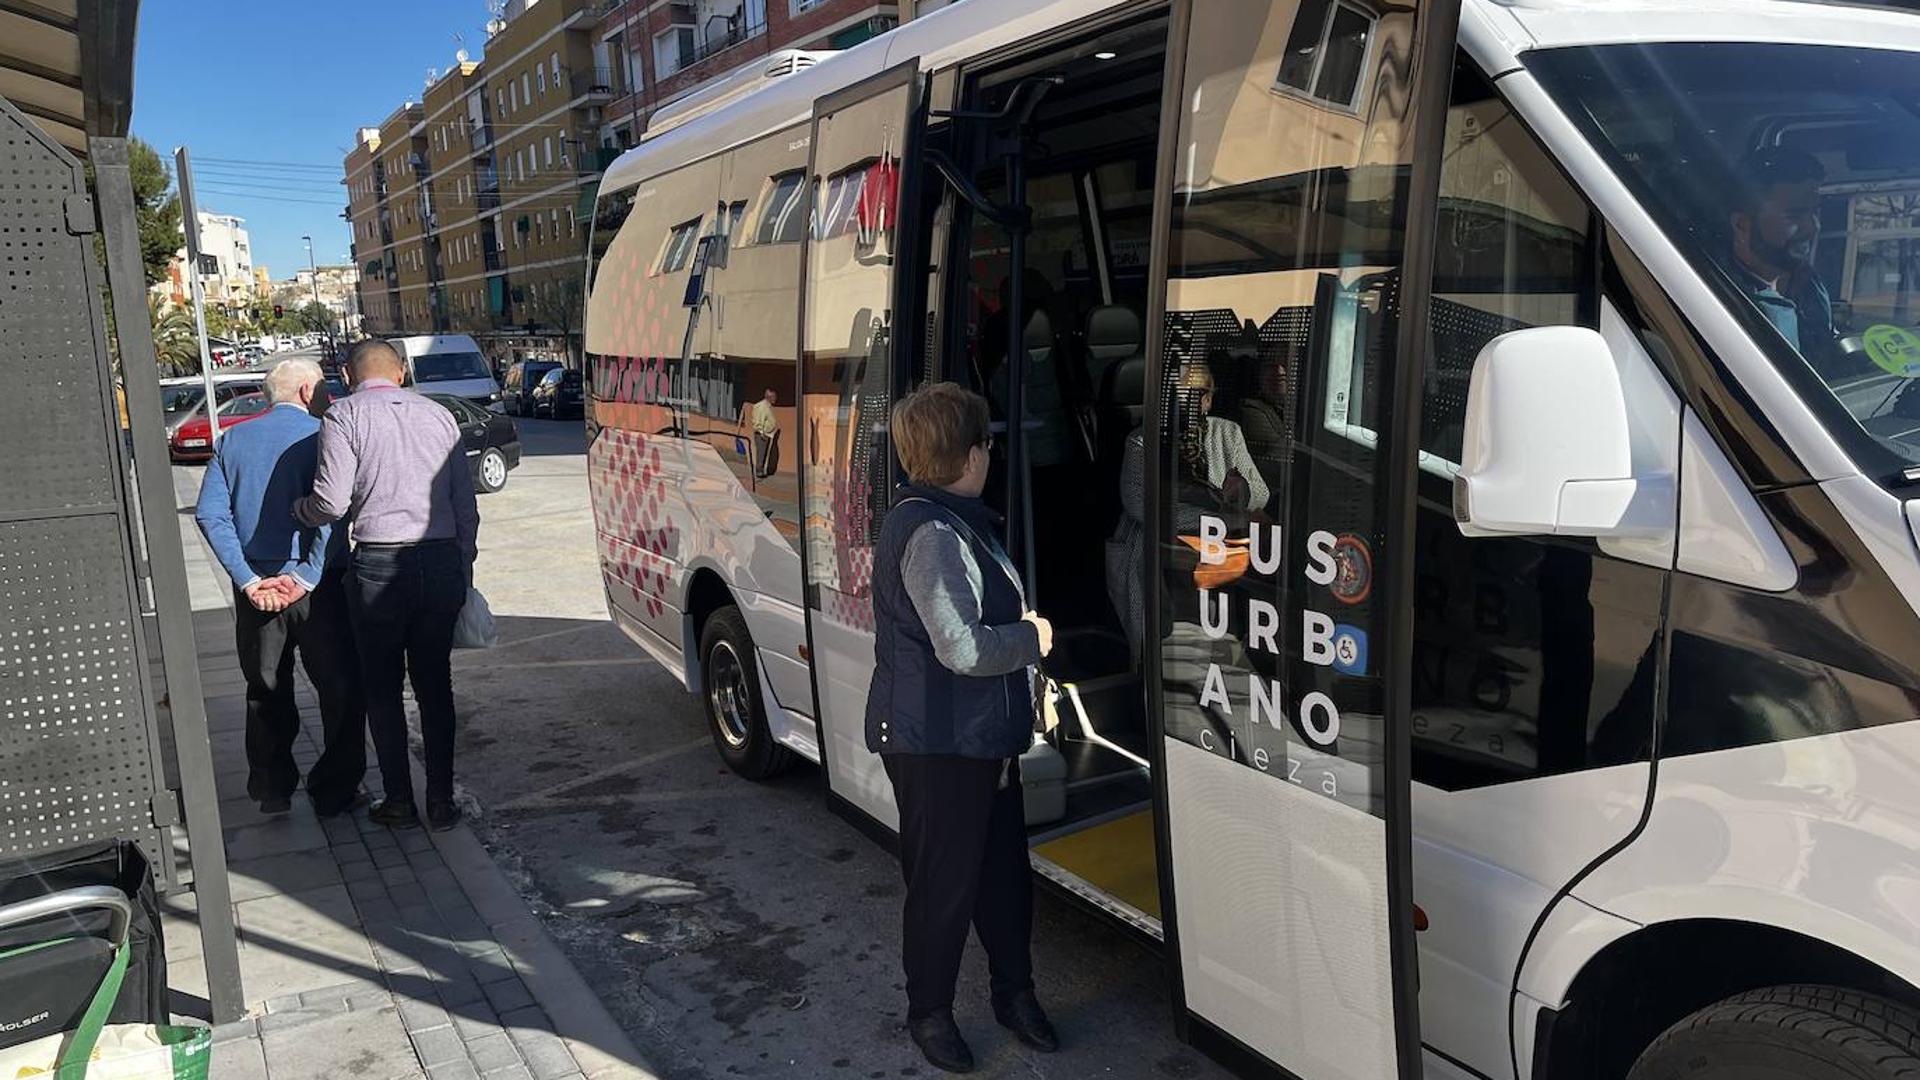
[288, 594]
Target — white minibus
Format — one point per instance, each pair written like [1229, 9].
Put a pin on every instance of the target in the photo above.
[1470, 470]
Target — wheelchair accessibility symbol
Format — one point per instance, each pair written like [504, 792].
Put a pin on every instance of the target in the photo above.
[1349, 649]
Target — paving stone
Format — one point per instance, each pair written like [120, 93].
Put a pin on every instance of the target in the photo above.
[507, 995]
[459, 1070]
[460, 993]
[386, 858]
[246, 1027]
[238, 1059]
[373, 911]
[491, 967]
[437, 1046]
[281, 1021]
[360, 871]
[528, 1018]
[474, 1020]
[492, 1052]
[546, 1055]
[369, 1044]
[375, 998]
[420, 1015]
[283, 1003]
[511, 1072]
[398, 876]
[409, 894]
[326, 1000]
[366, 890]
[295, 871]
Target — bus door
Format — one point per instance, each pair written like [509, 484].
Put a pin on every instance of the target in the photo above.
[1297, 182]
[846, 388]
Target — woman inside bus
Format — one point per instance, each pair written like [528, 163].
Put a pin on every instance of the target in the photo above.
[950, 712]
[1213, 473]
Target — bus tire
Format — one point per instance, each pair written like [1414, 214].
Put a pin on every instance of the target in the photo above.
[1781, 1032]
[736, 717]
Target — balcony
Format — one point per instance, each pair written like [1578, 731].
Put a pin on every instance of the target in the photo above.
[735, 32]
[594, 84]
[595, 159]
[495, 259]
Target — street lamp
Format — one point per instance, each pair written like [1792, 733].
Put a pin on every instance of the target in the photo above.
[313, 278]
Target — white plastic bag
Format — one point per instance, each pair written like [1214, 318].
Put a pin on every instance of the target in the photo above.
[475, 628]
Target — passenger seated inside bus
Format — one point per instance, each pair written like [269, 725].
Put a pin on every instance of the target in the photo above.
[1076, 345]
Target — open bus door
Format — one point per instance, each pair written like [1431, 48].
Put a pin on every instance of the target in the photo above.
[846, 388]
[1298, 178]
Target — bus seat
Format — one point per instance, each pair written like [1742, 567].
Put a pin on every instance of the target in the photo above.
[1112, 334]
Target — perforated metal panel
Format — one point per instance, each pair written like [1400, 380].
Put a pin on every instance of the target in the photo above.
[77, 734]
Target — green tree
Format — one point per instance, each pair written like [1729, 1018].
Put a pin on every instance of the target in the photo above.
[315, 317]
[156, 209]
[176, 344]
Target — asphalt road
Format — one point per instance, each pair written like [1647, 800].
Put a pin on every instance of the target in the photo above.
[734, 929]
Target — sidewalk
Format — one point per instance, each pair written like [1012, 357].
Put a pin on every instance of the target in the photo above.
[367, 952]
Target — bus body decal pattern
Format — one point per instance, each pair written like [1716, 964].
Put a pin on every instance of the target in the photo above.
[629, 488]
[848, 598]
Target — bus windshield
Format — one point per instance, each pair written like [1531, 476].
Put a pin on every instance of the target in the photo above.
[447, 366]
[1790, 177]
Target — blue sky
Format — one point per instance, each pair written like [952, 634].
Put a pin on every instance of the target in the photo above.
[256, 89]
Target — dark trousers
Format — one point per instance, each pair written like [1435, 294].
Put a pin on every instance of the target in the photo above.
[318, 626]
[963, 848]
[405, 600]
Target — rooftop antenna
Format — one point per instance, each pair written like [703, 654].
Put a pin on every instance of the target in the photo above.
[498, 9]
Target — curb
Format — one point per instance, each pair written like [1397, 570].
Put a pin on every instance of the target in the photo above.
[598, 1043]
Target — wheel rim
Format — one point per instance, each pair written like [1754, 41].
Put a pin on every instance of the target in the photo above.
[493, 469]
[727, 696]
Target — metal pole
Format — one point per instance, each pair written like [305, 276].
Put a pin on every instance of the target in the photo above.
[313, 273]
[166, 561]
[190, 223]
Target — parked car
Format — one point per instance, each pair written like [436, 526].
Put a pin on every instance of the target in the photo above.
[180, 396]
[558, 395]
[492, 441]
[516, 390]
[192, 442]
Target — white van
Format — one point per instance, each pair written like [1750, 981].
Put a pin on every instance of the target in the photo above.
[448, 364]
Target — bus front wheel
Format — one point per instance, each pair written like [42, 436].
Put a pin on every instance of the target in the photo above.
[736, 716]
[1789, 1033]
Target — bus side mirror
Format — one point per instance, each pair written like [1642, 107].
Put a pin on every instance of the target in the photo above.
[1547, 449]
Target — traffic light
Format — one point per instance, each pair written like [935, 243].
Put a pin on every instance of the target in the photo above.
[278, 311]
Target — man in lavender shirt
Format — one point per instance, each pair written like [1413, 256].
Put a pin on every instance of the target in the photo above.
[392, 464]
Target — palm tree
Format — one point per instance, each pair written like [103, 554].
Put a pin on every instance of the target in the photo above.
[176, 342]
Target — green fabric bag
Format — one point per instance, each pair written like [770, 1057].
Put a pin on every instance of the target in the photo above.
[96, 1050]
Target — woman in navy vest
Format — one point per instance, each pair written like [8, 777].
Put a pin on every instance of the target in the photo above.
[950, 712]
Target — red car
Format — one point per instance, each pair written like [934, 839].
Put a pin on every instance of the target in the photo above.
[191, 441]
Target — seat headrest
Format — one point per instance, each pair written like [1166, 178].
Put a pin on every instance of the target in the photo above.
[1113, 332]
[1125, 382]
[1039, 333]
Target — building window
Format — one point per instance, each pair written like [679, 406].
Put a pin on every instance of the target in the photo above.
[526, 87]
[540, 80]
[547, 151]
[1326, 55]
[800, 6]
[500, 100]
[554, 63]
[673, 49]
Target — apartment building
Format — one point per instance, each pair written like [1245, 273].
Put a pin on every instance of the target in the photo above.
[470, 207]
[657, 51]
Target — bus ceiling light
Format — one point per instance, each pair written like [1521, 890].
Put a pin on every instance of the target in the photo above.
[1547, 449]
[1104, 55]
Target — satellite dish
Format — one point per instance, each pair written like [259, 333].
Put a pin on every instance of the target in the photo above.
[460, 56]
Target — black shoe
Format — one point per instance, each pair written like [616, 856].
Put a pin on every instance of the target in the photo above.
[276, 804]
[940, 1043]
[335, 807]
[442, 814]
[394, 815]
[1022, 1015]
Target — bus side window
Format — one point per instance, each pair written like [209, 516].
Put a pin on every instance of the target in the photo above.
[1531, 656]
